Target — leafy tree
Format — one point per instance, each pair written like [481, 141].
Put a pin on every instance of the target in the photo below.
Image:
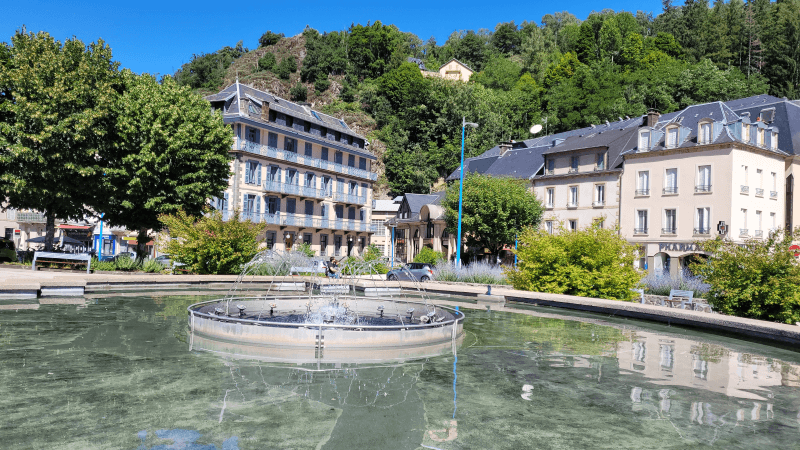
[304, 249]
[373, 253]
[325, 55]
[500, 73]
[495, 211]
[267, 62]
[374, 49]
[269, 38]
[506, 38]
[591, 262]
[286, 67]
[757, 279]
[208, 244]
[170, 153]
[429, 256]
[469, 48]
[206, 70]
[57, 109]
[402, 86]
[321, 84]
[299, 92]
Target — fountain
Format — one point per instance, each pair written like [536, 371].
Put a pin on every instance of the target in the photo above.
[282, 307]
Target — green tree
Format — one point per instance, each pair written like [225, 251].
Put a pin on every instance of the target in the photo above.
[170, 153]
[321, 84]
[500, 73]
[269, 38]
[206, 70]
[592, 262]
[325, 54]
[299, 92]
[267, 62]
[429, 256]
[402, 86]
[495, 211]
[758, 279]
[286, 67]
[208, 244]
[374, 49]
[57, 109]
[506, 39]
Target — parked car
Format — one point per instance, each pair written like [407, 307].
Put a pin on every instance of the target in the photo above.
[412, 271]
[8, 252]
[131, 255]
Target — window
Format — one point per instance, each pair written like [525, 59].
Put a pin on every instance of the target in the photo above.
[644, 140]
[671, 181]
[289, 121]
[309, 182]
[272, 140]
[760, 137]
[774, 141]
[351, 160]
[745, 132]
[573, 164]
[548, 225]
[745, 188]
[550, 196]
[290, 144]
[291, 176]
[351, 213]
[362, 215]
[362, 163]
[251, 204]
[273, 174]
[339, 211]
[599, 194]
[270, 240]
[323, 132]
[774, 181]
[378, 227]
[758, 224]
[337, 245]
[601, 161]
[672, 137]
[773, 221]
[573, 225]
[252, 134]
[309, 209]
[429, 230]
[252, 172]
[643, 183]
[273, 205]
[291, 205]
[743, 230]
[323, 211]
[273, 115]
[705, 133]
[670, 221]
[551, 166]
[703, 221]
[307, 126]
[641, 222]
[353, 188]
[573, 196]
[600, 223]
[337, 157]
[703, 179]
[324, 154]
[308, 149]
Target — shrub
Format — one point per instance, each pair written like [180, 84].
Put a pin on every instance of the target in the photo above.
[662, 284]
[267, 62]
[591, 262]
[127, 264]
[105, 266]
[321, 84]
[152, 266]
[757, 279]
[269, 38]
[475, 272]
[373, 253]
[428, 255]
[209, 245]
[299, 92]
[303, 249]
[286, 68]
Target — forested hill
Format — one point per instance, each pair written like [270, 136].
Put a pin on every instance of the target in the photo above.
[561, 70]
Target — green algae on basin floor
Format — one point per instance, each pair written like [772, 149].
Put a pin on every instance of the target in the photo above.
[118, 373]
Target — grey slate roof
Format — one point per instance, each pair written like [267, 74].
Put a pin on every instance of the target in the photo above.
[787, 118]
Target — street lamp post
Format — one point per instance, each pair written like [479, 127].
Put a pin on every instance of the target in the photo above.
[464, 124]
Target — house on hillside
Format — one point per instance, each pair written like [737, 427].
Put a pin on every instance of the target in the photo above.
[451, 70]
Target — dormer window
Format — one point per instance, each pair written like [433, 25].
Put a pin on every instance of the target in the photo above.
[251, 109]
[760, 137]
[672, 137]
[704, 135]
[644, 140]
[745, 132]
[774, 141]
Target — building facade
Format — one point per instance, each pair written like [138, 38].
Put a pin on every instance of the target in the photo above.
[304, 173]
[419, 223]
[384, 210]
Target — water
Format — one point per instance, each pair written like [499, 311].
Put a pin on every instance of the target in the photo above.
[117, 373]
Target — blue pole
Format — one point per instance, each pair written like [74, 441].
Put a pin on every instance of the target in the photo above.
[100, 245]
[460, 194]
[392, 247]
[516, 242]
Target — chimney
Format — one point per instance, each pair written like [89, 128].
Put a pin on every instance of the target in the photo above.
[504, 147]
[652, 117]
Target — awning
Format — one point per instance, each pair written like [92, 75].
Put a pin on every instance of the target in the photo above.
[67, 240]
[74, 227]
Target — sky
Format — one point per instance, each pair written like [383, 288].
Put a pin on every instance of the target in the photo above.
[158, 36]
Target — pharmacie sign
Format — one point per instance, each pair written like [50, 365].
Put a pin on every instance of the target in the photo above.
[677, 247]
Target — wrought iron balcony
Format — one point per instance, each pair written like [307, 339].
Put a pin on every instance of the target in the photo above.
[349, 198]
[294, 189]
[745, 189]
[30, 217]
[640, 231]
[759, 192]
[599, 203]
[573, 170]
[572, 205]
[549, 205]
[669, 231]
[702, 188]
[743, 231]
[773, 194]
[702, 231]
[285, 155]
[642, 192]
[671, 190]
[301, 221]
[759, 233]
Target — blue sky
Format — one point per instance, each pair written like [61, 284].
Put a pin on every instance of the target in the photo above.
[157, 37]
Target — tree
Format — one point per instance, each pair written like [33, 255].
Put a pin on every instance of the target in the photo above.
[57, 108]
[429, 256]
[402, 86]
[758, 279]
[267, 62]
[286, 67]
[170, 153]
[206, 70]
[495, 211]
[592, 262]
[500, 73]
[269, 38]
[374, 49]
[299, 92]
[506, 38]
[208, 244]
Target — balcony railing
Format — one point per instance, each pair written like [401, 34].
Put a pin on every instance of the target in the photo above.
[759, 233]
[572, 205]
[599, 203]
[671, 190]
[745, 189]
[301, 220]
[702, 231]
[573, 170]
[30, 217]
[344, 197]
[773, 194]
[759, 192]
[702, 188]
[640, 231]
[285, 155]
[643, 192]
[549, 205]
[294, 189]
[669, 231]
[742, 231]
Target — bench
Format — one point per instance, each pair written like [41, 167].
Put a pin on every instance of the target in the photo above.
[62, 258]
[683, 298]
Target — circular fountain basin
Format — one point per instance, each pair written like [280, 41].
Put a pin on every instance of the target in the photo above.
[282, 331]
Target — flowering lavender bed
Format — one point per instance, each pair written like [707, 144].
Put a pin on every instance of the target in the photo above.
[475, 272]
[661, 284]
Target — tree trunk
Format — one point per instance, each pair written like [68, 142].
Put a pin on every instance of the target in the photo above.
[50, 231]
[141, 244]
